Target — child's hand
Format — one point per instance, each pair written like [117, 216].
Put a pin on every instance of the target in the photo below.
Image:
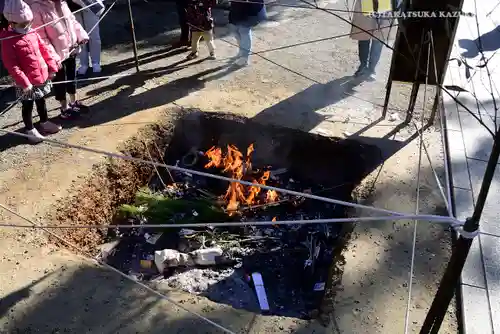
[83, 42]
[28, 89]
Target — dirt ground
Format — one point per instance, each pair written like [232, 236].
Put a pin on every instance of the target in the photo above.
[48, 289]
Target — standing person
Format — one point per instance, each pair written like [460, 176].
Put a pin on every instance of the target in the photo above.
[89, 20]
[244, 15]
[201, 24]
[368, 31]
[3, 22]
[66, 36]
[185, 40]
[31, 63]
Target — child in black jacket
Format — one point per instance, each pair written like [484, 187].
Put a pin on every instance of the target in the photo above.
[201, 23]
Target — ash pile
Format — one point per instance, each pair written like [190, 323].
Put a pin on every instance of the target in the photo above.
[275, 269]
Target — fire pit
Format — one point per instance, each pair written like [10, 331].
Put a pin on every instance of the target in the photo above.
[294, 260]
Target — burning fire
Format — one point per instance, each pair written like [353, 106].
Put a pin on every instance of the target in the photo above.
[238, 167]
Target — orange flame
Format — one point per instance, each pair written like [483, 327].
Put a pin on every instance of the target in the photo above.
[214, 154]
[232, 163]
[271, 196]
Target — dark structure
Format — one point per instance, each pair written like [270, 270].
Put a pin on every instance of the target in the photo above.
[421, 54]
[411, 63]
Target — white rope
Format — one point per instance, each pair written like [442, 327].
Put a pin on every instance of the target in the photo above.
[223, 178]
[87, 256]
[434, 173]
[102, 17]
[417, 200]
[443, 140]
[52, 22]
[442, 220]
[467, 235]
[83, 79]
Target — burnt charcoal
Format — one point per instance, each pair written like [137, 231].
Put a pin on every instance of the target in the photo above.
[329, 167]
[282, 279]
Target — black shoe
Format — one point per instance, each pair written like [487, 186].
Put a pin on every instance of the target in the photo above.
[192, 55]
[360, 71]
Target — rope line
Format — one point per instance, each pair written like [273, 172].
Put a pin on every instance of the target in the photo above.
[219, 177]
[439, 220]
[52, 22]
[443, 140]
[434, 173]
[417, 201]
[255, 53]
[87, 256]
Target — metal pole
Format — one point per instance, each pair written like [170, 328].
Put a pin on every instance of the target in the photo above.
[459, 254]
[132, 29]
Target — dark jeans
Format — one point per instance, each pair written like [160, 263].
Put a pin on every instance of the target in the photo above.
[27, 111]
[181, 12]
[66, 73]
[369, 53]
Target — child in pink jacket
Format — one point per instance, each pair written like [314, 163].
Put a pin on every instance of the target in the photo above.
[31, 63]
[66, 36]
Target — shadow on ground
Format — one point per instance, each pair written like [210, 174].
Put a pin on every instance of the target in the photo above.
[94, 300]
[489, 41]
[134, 96]
[300, 110]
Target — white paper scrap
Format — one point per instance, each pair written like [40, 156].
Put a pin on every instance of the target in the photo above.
[261, 291]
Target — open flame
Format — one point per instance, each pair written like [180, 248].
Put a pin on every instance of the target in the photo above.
[238, 167]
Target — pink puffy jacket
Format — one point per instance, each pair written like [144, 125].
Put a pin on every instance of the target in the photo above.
[27, 58]
[64, 35]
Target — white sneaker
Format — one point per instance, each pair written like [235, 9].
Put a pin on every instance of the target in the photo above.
[242, 61]
[96, 68]
[82, 70]
[35, 136]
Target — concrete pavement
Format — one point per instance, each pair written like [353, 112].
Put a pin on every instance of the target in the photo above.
[470, 145]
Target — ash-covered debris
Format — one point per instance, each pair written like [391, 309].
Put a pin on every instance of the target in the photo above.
[293, 260]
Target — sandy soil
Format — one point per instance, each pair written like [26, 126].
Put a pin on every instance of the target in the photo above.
[52, 290]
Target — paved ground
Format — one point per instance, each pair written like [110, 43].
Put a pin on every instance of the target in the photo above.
[36, 280]
[470, 146]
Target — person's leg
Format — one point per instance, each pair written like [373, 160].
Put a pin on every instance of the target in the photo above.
[236, 31]
[70, 65]
[94, 40]
[363, 54]
[83, 56]
[209, 39]
[74, 105]
[60, 88]
[195, 42]
[41, 109]
[375, 52]
[45, 125]
[245, 44]
[181, 13]
[27, 109]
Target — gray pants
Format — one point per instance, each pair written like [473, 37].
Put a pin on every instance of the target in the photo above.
[88, 20]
